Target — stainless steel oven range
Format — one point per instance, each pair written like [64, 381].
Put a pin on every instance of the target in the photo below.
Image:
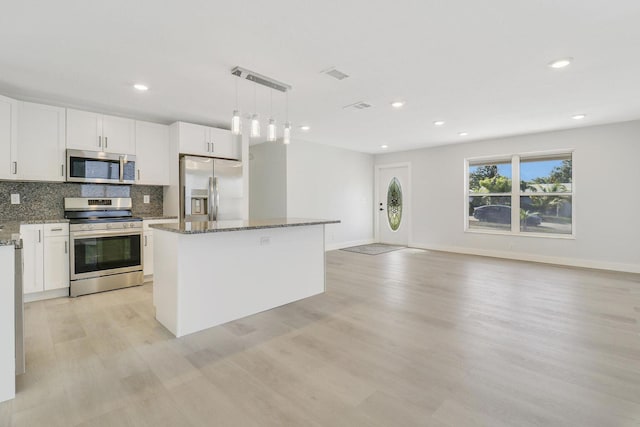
[106, 245]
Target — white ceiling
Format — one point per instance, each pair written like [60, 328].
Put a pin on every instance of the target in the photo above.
[479, 65]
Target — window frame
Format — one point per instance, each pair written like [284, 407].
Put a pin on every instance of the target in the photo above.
[516, 193]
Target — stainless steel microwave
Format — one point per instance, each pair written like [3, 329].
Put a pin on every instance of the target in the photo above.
[101, 168]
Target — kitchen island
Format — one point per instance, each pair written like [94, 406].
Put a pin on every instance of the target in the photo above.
[209, 273]
[9, 237]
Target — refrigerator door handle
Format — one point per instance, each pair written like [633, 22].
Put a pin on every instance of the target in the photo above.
[211, 199]
[217, 197]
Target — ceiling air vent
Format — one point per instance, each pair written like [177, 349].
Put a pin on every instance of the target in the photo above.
[360, 105]
[336, 74]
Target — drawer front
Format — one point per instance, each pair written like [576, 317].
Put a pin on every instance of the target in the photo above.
[61, 229]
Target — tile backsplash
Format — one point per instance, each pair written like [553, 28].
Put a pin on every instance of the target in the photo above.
[44, 200]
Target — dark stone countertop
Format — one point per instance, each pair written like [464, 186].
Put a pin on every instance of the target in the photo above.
[238, 225]
[9, 233]
[151, 217]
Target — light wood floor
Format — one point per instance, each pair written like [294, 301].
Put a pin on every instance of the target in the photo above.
[405, 338]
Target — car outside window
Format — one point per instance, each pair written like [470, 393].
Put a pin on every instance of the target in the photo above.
[541, 204]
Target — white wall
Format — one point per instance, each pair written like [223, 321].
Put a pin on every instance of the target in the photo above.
[268, 180]
[606, 199]
[332, 183]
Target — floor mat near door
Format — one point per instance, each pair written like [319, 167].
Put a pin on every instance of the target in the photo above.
[373, 249]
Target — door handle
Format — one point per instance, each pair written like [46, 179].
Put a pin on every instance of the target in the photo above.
[217, 197]
[66, 247]
[61, 170]
[106, 142]
[211, 199]
[15, 168]
[56, 229]
[100, 141]
[138, 174]
[39, 236]
[121, 167]
[212, 147]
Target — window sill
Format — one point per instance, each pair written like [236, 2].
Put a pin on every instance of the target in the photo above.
[509, 233]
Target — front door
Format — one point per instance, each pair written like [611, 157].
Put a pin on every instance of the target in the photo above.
[393, 184]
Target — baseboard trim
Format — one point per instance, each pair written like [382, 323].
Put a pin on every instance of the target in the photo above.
[39, 296]
[570, 262]
[340, 245]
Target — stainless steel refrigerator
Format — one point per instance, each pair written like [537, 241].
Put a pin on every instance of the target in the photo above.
[210, 189]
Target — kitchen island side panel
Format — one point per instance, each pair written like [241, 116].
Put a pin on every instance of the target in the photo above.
[165, 279]
[7, 324]
[227, 276]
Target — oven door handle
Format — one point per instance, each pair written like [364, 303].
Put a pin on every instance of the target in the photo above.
[104, 233]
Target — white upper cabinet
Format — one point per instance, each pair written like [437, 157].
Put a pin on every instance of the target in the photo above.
[207, 141]
[84, 130]
[193, 139]
[152, 153]
[41, 142]
[98, 132]
[223, 144]
[8, 137]
[119, 135]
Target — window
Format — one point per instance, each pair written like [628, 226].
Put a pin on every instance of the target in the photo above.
[542, 204]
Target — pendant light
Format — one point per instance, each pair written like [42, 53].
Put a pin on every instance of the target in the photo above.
[236, 123]
[255, 122]
[271, 128]
[286, 134]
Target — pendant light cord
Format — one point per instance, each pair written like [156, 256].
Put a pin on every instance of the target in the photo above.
[237, 92]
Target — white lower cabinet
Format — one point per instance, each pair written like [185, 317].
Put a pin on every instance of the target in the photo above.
[148, 253]
[32, 257]
[148, 245]
[45, 256]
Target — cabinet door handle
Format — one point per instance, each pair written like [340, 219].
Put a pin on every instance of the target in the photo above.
[145, 241]
[61, 170]
[212, 149]
[138, 174]
[15, 168]
[106, 142]
[39, 236]
[66, 247]
[100, 141]
[56, 229]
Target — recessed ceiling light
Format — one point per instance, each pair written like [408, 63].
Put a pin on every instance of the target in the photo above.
[397, 104]
[140, 87]
[579, 116]
[305, 128]
[384, 147]
[438, 123]
[560, 63]
[463, 134]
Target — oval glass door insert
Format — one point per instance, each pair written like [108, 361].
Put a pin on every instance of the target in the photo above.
[394, 204]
